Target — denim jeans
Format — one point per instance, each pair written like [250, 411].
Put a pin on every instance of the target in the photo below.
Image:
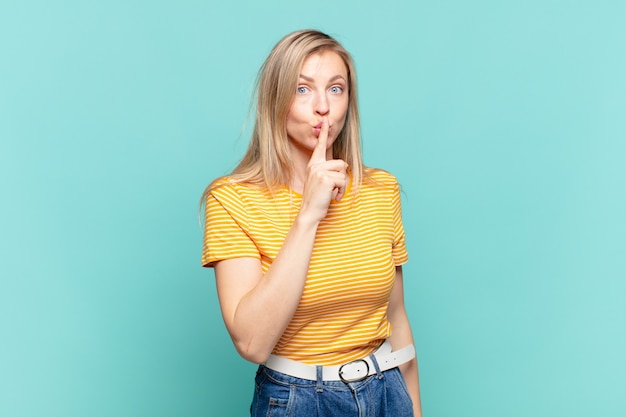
[380, 395]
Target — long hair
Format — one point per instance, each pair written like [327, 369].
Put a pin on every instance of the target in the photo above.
[267, 161]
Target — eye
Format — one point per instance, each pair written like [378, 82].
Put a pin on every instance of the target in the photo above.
[302, 90]
[336, 89]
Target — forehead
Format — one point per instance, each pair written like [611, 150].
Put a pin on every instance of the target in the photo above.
[324, 64]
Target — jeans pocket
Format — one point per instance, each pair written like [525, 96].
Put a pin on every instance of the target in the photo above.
[259, 378]
[403, 384]
[271, 398]
[278, 407]
[400, 402]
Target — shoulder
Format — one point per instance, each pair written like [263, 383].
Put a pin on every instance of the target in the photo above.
[231, 192]
[220, 184]
[230, 186]
[379, 178]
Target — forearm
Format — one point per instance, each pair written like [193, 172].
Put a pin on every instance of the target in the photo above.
[410, 373]
[263, 313]
[257, 307]
[401, 336]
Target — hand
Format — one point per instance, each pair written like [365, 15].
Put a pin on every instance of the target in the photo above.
[326, 179]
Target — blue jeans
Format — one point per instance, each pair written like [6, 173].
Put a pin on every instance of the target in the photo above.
[380, 395]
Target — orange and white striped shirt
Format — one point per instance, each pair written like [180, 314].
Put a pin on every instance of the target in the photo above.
[342, 314]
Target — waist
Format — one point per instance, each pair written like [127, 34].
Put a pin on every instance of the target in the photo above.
[381, 360]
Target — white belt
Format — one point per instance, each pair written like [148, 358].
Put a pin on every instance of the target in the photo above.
[354, 371]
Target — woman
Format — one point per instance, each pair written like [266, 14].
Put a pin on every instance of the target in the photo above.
[307, 246]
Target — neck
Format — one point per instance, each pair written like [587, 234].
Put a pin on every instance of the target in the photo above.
[299, 177]
[300, 161]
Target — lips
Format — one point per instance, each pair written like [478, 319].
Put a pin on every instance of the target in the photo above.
[319, 125]
[318, 128]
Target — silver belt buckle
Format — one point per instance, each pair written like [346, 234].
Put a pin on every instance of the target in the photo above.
[358, 371]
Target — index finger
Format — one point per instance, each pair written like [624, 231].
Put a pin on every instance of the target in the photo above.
[319, 153]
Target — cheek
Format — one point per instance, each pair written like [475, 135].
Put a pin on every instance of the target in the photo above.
[297, 112]
[293, 119]
[341, 121]
[343, 111]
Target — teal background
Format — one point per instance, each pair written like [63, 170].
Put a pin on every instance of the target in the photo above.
[503, 120]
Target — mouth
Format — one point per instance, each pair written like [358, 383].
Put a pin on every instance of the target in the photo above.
[318, 128]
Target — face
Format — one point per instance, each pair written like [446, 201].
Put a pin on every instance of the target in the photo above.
[322, 92]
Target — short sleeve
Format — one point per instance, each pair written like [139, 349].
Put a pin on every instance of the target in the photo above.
[226, 228]
[399, 252]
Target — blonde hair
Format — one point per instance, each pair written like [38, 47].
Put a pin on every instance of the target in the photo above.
[267, 161]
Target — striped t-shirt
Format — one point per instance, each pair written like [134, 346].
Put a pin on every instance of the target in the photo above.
[342, 314]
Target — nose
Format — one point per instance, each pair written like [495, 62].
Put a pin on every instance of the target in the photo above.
[321, 105]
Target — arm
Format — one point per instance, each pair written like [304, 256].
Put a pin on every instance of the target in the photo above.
[402, 336]
[257, 308]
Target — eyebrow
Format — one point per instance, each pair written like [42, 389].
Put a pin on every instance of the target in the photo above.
[336, 77]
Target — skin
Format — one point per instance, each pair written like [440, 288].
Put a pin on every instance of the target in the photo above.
[255, 321]
[402, 336]
[322, 93]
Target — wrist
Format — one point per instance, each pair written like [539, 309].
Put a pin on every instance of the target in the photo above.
[305, 221]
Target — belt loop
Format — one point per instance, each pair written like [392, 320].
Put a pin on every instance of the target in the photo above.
[320, 379]
[379, 374]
